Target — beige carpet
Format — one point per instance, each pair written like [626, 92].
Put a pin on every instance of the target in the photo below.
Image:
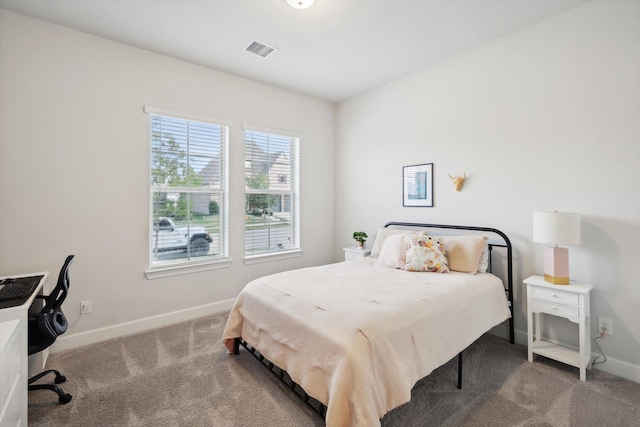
[181, 376]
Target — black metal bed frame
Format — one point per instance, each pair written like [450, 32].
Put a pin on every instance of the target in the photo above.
[507, 244]
[318, 407]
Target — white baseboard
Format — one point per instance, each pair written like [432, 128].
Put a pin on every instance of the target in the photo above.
[69, 341]
[612, 366]
[620, 368]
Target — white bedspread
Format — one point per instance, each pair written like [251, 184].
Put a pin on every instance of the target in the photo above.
[357, 337]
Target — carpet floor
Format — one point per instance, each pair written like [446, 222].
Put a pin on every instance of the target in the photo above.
[181, 375]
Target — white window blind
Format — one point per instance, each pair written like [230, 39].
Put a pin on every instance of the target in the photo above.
[272, 202]
[189, 191]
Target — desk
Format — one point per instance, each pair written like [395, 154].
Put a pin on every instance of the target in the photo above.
[14, 360]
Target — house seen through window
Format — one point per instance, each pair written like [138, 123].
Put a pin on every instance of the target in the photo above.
[271, 193]
[188, 191]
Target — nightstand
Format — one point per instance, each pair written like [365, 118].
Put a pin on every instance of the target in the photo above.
[353, 253]
[569, 301]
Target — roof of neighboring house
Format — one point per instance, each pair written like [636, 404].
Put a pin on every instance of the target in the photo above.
[261, 162]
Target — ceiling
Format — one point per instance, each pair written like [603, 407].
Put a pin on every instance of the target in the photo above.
[332, 51]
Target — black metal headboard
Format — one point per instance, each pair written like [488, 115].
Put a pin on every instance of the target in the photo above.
[506, 243]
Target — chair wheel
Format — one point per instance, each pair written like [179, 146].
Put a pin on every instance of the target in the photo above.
[60, 379]
[65, 399]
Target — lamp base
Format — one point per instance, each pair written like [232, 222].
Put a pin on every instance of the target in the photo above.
[556, 265]
[556, 280]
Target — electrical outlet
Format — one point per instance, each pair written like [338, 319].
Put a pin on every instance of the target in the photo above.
[606, 325]
[85, 307]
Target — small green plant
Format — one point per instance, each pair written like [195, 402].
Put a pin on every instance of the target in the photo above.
[360, 236]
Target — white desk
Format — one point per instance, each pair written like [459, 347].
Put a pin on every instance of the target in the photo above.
[14, 360]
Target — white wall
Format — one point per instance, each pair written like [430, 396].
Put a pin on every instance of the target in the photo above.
[74, 170]
[545, 119]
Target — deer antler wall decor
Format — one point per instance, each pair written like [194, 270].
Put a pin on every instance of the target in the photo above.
[458, 180]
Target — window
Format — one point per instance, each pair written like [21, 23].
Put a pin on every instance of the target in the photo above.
[271, 193]
[189, 192]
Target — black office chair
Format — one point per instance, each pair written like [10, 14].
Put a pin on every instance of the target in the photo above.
[44, 328]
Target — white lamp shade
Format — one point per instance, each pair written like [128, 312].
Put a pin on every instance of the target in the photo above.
[558, 228]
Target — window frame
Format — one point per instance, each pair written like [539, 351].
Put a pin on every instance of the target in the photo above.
[294, 193]
[193, 264]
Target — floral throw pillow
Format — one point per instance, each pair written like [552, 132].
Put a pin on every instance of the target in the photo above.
[426, 253]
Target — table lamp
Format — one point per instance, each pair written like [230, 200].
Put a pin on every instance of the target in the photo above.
[556, 228]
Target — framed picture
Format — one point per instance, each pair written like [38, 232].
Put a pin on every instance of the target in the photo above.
[417, 185]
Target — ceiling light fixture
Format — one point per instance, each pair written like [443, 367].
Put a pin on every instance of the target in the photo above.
[300, 4]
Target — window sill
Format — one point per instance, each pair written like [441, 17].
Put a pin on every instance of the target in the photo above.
[175, 270]
[276, 256]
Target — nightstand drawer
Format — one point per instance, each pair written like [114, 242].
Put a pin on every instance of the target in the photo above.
[556, 296]
[556, 309]
[351, 255]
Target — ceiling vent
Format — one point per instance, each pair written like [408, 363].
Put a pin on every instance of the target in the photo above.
[259, 49]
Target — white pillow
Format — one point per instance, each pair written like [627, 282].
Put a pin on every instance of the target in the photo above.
[393, 253]
[463, 252]
[483, 264]
[381, 236]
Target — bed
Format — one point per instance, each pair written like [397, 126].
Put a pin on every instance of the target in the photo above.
[356, 336]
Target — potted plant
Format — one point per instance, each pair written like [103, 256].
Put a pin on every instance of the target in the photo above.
[360, 238]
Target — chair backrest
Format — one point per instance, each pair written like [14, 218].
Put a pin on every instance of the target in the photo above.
[53, 304]
[45, 326]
